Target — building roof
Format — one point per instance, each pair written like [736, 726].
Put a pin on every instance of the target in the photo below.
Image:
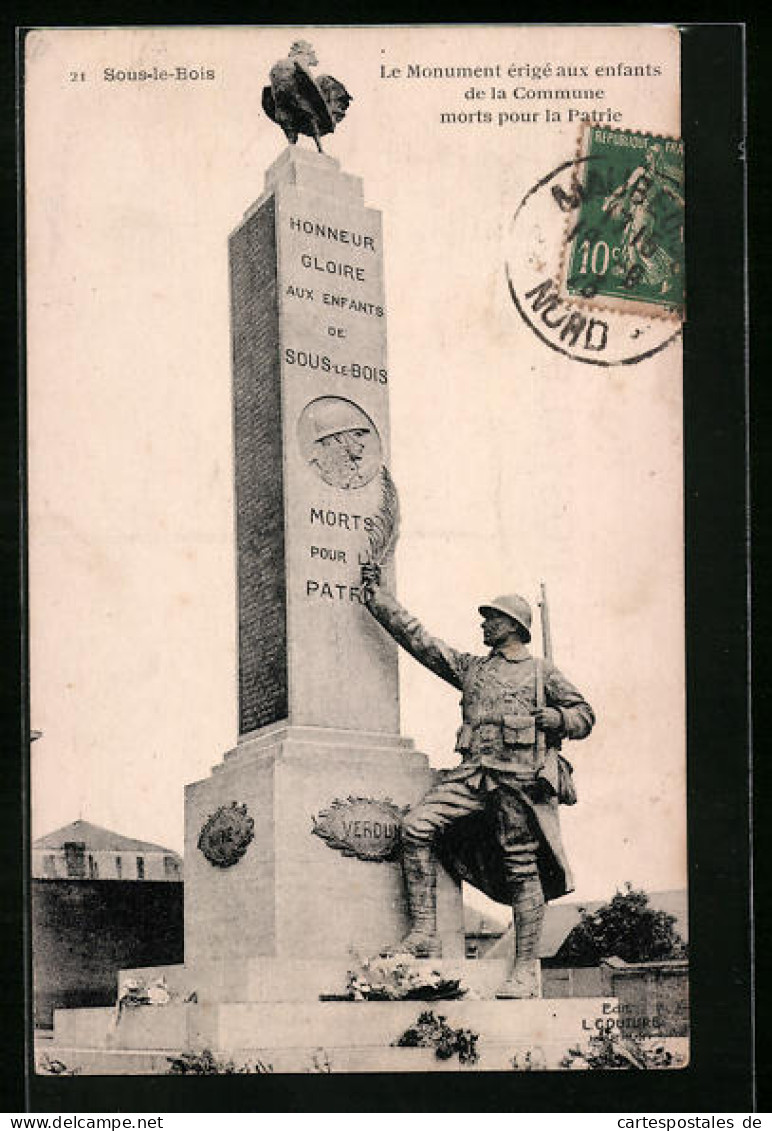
[98, 840]
[561, 918]
[483, 923]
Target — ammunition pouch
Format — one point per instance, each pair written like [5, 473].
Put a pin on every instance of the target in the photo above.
[485, 732]
[513, 730]
[519, 730]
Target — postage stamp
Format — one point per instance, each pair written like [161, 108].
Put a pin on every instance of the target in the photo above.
[625, 245]
[595, 255]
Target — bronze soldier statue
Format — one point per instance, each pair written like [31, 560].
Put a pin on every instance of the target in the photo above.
[301, 104]
[493, 820]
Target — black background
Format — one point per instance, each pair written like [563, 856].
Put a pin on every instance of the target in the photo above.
[720, 1075]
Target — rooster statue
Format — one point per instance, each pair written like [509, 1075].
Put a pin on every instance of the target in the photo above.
[301, 104]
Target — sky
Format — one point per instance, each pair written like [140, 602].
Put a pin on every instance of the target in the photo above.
[515, 465]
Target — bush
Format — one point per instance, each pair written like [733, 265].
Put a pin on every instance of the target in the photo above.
[50, 1066]
[606, 1051]
[530, 1060]
[627, 928]
[207, 1064]
[432, 1031]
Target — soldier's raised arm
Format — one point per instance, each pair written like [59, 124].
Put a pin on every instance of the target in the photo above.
[446, 662]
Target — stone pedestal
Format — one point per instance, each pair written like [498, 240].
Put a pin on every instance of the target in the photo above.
[292, 896]
[349, 1036]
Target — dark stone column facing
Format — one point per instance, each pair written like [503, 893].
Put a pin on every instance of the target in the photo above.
[257, 426]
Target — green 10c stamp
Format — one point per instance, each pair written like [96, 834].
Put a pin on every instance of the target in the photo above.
[624, 246]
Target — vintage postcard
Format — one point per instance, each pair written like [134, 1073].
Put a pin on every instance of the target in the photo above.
[356, 548]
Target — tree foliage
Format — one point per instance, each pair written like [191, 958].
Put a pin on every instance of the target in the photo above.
[627, 928]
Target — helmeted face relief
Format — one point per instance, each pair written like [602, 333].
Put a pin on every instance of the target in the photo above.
[340, 442]
[339, 457]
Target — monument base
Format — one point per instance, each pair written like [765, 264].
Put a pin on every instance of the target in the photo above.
[275, 930]
[280, 980]
[294, 894]
[343, 1036]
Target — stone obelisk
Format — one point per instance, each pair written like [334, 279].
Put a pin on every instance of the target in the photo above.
[309, 355]
[318, 690]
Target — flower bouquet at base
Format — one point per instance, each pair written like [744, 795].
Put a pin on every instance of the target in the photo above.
[399, 977]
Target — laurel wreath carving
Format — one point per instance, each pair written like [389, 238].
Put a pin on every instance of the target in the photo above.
[226, 835]
[323, 829]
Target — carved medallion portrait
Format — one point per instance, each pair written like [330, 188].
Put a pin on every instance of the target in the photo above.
[226, 835]
[340, 442]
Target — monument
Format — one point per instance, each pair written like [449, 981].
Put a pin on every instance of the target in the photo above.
[318, 693]
[292, 863]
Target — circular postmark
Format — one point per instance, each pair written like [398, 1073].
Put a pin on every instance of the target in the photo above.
[594, 262]
[339, 442]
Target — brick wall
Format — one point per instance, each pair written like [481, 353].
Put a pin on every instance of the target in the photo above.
[85, 931]
[575, 981]
[656, 993]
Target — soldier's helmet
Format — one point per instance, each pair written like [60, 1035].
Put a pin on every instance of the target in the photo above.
[515, 607]
[333, 416]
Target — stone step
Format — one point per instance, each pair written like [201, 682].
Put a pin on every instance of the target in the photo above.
[106, 1062]
[300, 980]
[492, 1058]
[356, 1026]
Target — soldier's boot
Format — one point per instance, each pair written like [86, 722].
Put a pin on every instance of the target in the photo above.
[528, 915]
[419, 868]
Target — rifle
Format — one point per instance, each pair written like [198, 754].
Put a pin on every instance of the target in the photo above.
[546, 636]
[565, 788]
